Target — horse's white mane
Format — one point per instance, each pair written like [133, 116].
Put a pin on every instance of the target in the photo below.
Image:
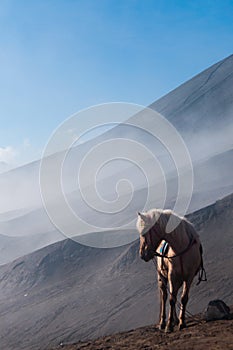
[146, 220]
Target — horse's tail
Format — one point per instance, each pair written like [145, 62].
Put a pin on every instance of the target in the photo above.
[202, 273]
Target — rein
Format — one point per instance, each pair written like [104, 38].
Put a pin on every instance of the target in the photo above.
[192, 241]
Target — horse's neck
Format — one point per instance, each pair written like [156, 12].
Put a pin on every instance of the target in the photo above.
[177, 240]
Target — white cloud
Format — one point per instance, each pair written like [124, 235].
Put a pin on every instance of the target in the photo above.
[12, 156]
[7, 154]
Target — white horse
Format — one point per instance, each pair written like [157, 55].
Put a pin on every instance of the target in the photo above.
[178, 266]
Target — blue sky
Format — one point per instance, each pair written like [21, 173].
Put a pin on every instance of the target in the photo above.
[58, 57]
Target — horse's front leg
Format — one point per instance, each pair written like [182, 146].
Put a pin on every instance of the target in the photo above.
[184, 301]
[174, 286]
[175, 318]
[162, 282]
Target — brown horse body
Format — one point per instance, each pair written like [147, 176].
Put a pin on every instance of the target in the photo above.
[182, 262]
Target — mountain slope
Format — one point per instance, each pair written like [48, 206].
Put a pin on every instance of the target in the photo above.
[201, 110]
[12, 247]
[67, 292]
[203, 102]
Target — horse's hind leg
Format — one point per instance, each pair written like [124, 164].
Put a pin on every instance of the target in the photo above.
[162, 282]
[184, 301]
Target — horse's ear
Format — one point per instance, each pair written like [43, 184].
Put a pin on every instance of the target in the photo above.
[142, 216]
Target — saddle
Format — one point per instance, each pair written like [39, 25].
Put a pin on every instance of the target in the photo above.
[163, 251]
[164, 248]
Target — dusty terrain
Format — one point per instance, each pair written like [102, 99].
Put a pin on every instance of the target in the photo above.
[199, 335]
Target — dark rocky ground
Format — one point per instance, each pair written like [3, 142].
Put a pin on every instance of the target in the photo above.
[199, 335]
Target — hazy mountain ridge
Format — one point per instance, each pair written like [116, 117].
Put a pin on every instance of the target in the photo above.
[213, 84]
[12, 247]
[42, 267]
[202, 217]
[209, 112]
[33, 225]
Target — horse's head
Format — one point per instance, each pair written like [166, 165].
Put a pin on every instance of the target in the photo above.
[149, 241]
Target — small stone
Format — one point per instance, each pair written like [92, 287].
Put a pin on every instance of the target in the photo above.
[217, 310]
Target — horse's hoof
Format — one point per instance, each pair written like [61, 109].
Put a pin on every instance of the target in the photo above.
[162, 326]
[182, 326]
[176, 322]
[169, 329]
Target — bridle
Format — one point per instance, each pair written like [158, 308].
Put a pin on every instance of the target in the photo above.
[151, 245]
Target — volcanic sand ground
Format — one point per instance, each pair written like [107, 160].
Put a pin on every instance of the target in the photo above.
[199, 335]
